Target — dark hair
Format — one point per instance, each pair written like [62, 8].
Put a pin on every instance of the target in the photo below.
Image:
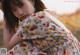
[11, 20]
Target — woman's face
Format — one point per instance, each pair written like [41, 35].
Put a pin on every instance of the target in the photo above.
[23, 10]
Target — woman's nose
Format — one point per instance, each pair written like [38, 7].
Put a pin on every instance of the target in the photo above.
[20, 12]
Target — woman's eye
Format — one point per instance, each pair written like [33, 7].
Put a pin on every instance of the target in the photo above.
[21, 5]
[14, 9]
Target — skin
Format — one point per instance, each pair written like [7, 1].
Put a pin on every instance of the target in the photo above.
[21, 12]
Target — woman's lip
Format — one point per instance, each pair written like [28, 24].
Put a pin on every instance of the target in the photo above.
[25, 16]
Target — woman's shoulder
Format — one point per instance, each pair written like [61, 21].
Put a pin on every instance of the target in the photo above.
[51, 12]
[41, 13]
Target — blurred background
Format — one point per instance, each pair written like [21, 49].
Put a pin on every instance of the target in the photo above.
[67, 11]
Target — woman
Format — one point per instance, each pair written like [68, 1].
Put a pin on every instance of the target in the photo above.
[37, 34]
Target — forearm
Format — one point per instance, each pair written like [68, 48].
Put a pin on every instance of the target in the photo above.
[16, 38]
[13, 41]
[10, 38]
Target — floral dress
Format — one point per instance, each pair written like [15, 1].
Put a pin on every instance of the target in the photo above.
[44, 37]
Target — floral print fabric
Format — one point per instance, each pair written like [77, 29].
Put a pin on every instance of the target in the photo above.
[44, 37]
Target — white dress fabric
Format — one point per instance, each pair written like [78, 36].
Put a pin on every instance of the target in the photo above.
[45, 35]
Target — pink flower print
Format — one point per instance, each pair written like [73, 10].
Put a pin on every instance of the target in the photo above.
[11, 53]
[64, 51]
[46, 24]
[37, 43]
[41, 17]
[34, 14]
[42, 54]
[20, 34]
[33, 27]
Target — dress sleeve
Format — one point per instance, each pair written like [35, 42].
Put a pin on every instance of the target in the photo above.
[40, 25]
[64, 41]
[65, 47]
[54, 34]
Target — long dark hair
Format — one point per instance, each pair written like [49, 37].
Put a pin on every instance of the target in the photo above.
[11, 20]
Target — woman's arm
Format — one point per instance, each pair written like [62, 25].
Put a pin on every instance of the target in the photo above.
[10, 40]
